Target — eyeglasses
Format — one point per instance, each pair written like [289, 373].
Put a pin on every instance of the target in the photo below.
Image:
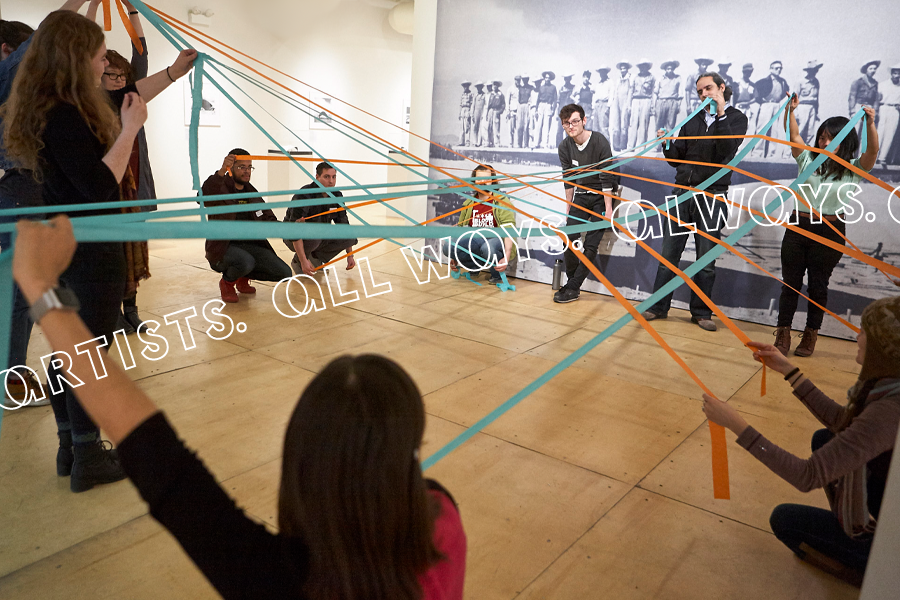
[244, 168]
[574, 123]
[115, 76]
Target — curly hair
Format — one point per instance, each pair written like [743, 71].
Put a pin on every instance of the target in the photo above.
[117, 61]
[56, 70]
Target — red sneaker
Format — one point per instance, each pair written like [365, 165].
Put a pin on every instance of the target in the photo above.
[244, 287]
[227, 290]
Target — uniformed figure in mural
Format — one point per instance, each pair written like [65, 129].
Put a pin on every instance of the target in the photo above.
[512, 108]
[864, 91]
[770, 91]
[584, 97]
[744, 98]
[620, 106]
[478, 107]
[465, 114]
[643, 88]
[546, 110]
[691, 99]
[724, 65]
[523, 115]
[603, 91]
[496, 106]
[807, 111]
[668, 94]
[889, 105]
[566, 96]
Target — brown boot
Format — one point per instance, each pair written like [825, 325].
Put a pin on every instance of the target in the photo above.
[807, 342]
[783, 340]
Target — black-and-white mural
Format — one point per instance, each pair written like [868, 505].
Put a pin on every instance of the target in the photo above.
[504, 68]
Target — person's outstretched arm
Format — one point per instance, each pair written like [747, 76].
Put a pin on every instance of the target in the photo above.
[42, 253]
[795, 129]
[91, 11]
[867, 159]
[75, 6]
[150, 87]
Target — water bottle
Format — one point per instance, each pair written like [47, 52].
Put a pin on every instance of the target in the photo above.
[557, 274]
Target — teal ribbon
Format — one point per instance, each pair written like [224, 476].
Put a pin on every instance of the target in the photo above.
[194, 134]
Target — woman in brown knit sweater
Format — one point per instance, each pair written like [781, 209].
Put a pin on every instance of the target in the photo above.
[850, 457]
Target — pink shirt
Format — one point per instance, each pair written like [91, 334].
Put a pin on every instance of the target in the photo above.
[444, 580]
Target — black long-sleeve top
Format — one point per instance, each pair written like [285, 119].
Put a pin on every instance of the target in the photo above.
[72, 160]
[313, 214]
[146, 186]
[597, 150]
[717, 151]
[238, 556]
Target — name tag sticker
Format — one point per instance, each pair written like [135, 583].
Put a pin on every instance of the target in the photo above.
[259, 213]
[575, 162]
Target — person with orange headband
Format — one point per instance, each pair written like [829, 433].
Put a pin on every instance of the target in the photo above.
[850, 458]
[801, 255]
[239, 261]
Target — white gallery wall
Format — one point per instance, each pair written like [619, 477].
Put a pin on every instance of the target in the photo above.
[346, 48]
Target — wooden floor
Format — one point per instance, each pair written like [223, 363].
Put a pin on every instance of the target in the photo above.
[596, 486]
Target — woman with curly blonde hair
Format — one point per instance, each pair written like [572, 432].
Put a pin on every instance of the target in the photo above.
[61, 125]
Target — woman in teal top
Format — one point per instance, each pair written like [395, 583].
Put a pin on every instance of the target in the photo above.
[801, 255]
[474, 252]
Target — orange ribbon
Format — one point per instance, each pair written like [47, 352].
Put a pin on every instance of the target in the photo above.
[107, 16]
[129, 27]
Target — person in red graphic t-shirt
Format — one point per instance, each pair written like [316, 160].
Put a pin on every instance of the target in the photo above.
[487, 210]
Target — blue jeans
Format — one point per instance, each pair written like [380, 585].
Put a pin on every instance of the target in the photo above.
[690, 211]
[17, 189]
[246, 259]
[485, 251]
[795, 525]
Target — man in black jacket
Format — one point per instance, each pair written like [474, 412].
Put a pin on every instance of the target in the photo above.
[309, 254]
[702, 212]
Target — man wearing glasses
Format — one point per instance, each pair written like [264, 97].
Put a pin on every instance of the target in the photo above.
[579, 154]
[239, 261]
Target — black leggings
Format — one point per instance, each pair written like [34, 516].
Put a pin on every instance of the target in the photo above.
[801, 255]
[97, 276]
[817, 528]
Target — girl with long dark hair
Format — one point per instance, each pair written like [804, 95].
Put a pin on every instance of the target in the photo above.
[802, 256]
[357, 519]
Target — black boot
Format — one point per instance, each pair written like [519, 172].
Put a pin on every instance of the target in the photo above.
[64, 456]
[94, 464]
[122, 323]
[134, 319]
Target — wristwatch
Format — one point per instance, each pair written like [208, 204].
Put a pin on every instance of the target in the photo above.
[61, 298]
